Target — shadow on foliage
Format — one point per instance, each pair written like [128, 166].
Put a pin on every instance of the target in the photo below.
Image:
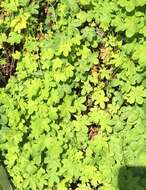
[132, 178]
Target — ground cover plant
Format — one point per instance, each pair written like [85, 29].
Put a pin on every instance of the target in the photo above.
[73, 92]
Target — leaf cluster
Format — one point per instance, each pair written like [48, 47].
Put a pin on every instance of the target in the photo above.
[74, 111]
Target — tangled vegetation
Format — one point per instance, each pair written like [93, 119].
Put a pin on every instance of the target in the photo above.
[73, 92]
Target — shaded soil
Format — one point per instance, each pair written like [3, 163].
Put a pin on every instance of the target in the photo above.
[6, 71]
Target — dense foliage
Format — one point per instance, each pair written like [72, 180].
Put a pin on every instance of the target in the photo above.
[74, 111]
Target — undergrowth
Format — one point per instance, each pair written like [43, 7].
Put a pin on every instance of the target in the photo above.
[72, 96]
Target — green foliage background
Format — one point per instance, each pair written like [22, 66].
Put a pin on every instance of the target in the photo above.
[81, 64]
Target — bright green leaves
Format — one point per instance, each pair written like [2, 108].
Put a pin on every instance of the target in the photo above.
[62, 9]
[38, 125]
[129, 21]
[62, 74]
[85, 52]
[16, 55]
[117, 123]
[14, 119]
[129, 5]
[61, 186]
[76, 40]
[101, 118]
[100, 98]
[53, 114]
[143, 31]
[20, 22]
[87, 88]
[81, 17]
[89, 33]
[141, 160]
[54, 96]
[105, 119]
[32, 107]
[103, 16]
[78, 104]
[14, 37]
[57, 63]
[66, 108]
[28, 65]
[84, 2]
[53, 152]
[69, 116]
[140, 3]
[47, 54]
[11, 6]
[139, 54]
[105, 74]
[136, 95]
[90, 173]
[33, 88]
[130, 26]
[65, 48]
[133, 116]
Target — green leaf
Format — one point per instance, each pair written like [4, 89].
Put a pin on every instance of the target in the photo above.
[141, 160]
[3, 38]
[16, 55]
[99, 98]
[136, 95]
[4, 181]
[140, 3]
[131, 27]
[14, 37]
[130, 6]
[139, 54]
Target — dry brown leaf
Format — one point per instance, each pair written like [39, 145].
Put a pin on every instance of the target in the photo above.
[104, 53]
[40, 36]
[94, 70]
[93, 132]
